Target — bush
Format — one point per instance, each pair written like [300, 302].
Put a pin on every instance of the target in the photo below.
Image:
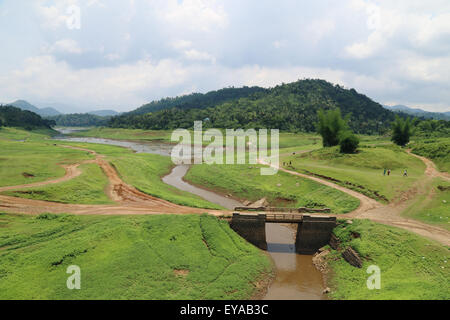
[348, 142]
[331, 126]
[401, 131]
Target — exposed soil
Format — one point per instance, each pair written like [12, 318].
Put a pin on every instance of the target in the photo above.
[130, 201]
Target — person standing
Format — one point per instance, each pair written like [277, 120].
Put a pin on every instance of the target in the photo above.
[384, 173]
[389, 172]
[405, 174]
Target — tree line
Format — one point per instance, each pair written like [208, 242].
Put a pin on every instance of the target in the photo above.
[79, 120]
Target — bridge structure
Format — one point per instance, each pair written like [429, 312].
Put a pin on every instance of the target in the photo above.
[313, 232]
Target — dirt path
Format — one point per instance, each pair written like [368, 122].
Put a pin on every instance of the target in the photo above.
[390, 214]
[129, 200]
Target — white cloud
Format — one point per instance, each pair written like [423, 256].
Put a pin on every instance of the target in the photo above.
[196, 55]
[400, 23]
[125, 84]
[65, 46]
[54, 16]
[181, 44]
[199, 15]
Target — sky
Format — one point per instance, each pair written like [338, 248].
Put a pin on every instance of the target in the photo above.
[119, 54]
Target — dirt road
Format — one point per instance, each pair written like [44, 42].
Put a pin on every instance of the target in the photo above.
[131, 201]
[390, 214]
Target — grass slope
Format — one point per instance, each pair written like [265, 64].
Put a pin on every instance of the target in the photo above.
[88, 188]
[412, 267]
[34, 161]
[363, 171]
[433, 208]
[133, 257]
[282, 189]
[436, 149]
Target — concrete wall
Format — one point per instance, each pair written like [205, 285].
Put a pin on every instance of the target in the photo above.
[251, 227]
[313, 233]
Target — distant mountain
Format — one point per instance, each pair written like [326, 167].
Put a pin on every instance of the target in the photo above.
[24, 105]
[288, 107]
[104, 113]
[419, 112]
[44, 112]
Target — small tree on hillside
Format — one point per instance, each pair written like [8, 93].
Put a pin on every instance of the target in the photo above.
[348, 142]
[331, 126]
[401, 131]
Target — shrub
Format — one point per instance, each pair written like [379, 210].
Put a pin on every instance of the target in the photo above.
[348, 142]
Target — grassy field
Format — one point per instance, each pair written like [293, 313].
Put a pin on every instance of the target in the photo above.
[434, 208]
[37, 159]
[14, 134]
[436, 149]
[144, 171]
[411, 266]
[363, 171]
[282, 189]
[88, 188]
[133, 257]
[33, 160]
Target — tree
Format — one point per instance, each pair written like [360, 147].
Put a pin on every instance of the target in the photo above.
[348, 142]
[331, 126]
[401, 131]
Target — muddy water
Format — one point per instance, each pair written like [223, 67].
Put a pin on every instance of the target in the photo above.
[175, 178]
[296, 276]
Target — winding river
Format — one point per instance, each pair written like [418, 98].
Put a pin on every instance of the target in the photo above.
[296, 277]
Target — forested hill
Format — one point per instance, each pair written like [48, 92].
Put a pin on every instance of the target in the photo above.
[290, 107]
[14, 117]
[198, 100]
[80, 120]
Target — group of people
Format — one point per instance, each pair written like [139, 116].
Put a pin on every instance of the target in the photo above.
[388, 172]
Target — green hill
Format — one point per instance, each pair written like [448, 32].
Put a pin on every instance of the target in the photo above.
[15, 117]
[288, 107]
[197, 100]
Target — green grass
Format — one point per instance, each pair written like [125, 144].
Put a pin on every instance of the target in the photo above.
[411, 266]
[436, 149]
[9, 133]
[144, 171]
[246, 182]
[434, 209]
[363, 171]
[88, 188]
[38, 160]
[132, 257]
